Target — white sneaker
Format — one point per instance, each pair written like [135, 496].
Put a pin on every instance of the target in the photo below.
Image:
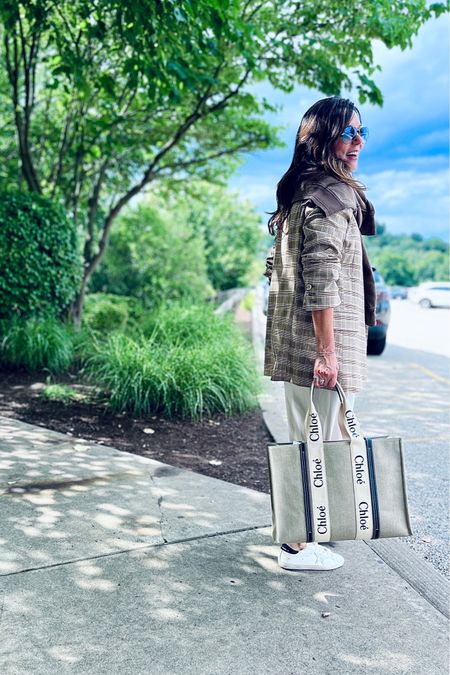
[313, 557]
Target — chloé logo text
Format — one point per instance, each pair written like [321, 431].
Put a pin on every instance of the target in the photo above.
[351, 423]
[314, 428]
[359, 469]
[321, 520]
[318, 473]
[363, 515]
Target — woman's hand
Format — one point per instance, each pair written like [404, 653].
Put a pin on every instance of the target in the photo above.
[326, 369]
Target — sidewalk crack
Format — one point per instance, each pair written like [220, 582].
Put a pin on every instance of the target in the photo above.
[161, 513]
[143, 547]
[161, 518]
[1, 609]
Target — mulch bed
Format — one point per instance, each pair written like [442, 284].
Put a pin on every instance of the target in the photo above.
[236, 445]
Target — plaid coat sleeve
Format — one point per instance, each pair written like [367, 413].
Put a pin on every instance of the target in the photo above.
[321, 256]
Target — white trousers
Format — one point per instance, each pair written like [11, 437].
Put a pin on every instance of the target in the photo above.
[327, 403]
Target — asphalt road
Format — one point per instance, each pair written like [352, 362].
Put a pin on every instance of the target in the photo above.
[408, 395]
[426, 330]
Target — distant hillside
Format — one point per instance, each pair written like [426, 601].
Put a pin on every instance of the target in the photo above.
[407, 260]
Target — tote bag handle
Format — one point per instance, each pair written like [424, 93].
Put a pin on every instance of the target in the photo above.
[346, 413]
[317, 470]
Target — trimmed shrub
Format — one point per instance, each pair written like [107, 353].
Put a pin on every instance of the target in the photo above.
[37, 344]
[39, 259]
[104, 314]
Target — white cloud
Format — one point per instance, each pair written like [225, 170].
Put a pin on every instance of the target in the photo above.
[414, 82]
[411, 201]
[259, 187]
[258, 192]
[439, 138]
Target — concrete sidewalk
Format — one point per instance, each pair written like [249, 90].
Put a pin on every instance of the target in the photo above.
[114, 563]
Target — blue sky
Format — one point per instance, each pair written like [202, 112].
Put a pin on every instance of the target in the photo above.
[405, 164]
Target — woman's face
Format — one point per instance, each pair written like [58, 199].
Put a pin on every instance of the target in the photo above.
[349, 152]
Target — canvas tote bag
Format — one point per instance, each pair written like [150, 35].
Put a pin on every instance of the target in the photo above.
[336, 490]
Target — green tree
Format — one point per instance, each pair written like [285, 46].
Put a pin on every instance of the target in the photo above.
[231, 229]
[409, 259]
[435, 244]
[395, 268]
[154, 256]
[107, 97]
[433, 266]
[416, 236]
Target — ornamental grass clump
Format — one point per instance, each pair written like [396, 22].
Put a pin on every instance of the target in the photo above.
[176, 371]
[188, 325]
[37, 344]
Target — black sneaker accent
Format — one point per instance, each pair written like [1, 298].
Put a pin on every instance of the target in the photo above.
[288, 549]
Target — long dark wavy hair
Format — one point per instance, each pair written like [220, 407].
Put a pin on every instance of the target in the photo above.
[320, 128]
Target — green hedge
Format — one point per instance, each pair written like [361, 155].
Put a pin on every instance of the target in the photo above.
[41, 267]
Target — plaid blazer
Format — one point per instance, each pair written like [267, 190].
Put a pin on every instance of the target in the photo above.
[319, 261]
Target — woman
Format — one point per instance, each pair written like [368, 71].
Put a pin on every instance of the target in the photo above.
[322, 293]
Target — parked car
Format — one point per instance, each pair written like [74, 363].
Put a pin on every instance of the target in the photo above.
[398, 292]
[431, 294]
[376, 340]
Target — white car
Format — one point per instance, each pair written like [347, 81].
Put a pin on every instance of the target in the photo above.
[431, 294]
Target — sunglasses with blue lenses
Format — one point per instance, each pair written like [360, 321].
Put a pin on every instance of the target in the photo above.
[350, 132]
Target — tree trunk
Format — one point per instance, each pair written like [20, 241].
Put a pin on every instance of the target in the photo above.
[78, 303]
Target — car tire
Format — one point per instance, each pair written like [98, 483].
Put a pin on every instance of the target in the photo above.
[376, 347]
[425, 303]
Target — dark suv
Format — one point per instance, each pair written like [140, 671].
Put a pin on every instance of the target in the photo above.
[376, 341]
